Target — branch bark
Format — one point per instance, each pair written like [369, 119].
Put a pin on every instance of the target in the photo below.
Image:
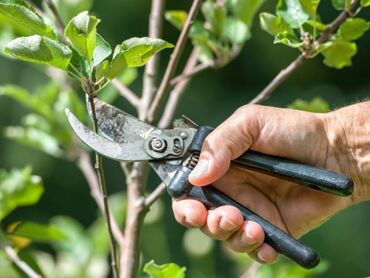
[58, 19]
[292, 67]
[174, 60]
[126, 93]
[154, 195]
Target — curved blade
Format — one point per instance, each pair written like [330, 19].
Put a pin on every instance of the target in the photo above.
[104, 146]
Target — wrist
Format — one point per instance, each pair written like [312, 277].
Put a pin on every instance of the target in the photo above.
[348, 133]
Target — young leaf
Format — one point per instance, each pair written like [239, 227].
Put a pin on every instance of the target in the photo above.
[40, 50]
[23, 13]
[246, 9]
[38, 232]
[81, 31]
[365, 3]
[170, 270]
[317, 105]
[18, 188]
[236, 31]
[353, 28]
[215, 15]
[273, 24]
[102, 50]
[338, 53]
[310, 6]
[341, 4]
[292, 12]
[176, 17]
[288, 39]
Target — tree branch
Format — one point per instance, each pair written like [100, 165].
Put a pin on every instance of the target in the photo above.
[126, 93]
[58, 19]
[154, 195]
[285, 73]
[186, 75]
[174, 60]
[151, 69]
[177, 92]
[85, 165]
[13, 256]
[252, 270]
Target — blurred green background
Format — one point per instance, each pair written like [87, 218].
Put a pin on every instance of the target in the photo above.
[211, 97]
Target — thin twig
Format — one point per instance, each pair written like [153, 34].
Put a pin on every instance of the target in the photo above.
[292, 67]
[177, 92]
[126, 93]
[58, 19]
[186, 75]
[101, 178]
[174, 60]
[86, 167]
[13, 256]
[155, 194]
[252, 270]
[151, 69]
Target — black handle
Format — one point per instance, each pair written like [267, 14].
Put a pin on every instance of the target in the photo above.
[180, 187]
[313, 177]
[278, 239]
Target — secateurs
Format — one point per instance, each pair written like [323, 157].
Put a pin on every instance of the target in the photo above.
[173, 153]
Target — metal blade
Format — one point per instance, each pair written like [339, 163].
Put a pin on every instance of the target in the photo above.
[166, 170]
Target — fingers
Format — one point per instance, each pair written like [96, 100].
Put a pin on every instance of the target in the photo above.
[226, 142]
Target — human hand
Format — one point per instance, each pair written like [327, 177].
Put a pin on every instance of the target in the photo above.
[315, 139]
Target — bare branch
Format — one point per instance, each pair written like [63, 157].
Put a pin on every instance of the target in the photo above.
[186, 75]
[177, 92]
[126, 93]
[151, 69]
[174, 60]
[252, 270]
[58, 19]
[13, 256]
[285, 73]
[85, 165]
[154, 195]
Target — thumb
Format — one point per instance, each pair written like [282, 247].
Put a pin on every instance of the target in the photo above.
[227, 142]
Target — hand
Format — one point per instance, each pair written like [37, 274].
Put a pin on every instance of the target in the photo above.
[314, 139]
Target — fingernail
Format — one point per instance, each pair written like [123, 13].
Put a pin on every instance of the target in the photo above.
[248, 236]
[200, 170]
[260, 255]
[227, 225]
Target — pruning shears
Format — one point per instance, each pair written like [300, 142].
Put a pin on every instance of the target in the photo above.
[173, 153]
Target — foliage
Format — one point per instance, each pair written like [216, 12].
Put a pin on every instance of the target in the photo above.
[170, 270]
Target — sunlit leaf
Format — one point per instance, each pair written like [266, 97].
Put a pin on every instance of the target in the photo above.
[170, 270]
[236, 31]
[288, 39]
[338, 54]
[215, 15]
[23, 13]
[40, 50]
[68, 9]
[176, 17]
[18, 188]
[273, 24]
[81, 31]
[246, 9]
[353, 28]
[365, 3]
[37, 232]
[292, 12]
[317, 105]
[102, 50]
[310, 6]
[341, 4]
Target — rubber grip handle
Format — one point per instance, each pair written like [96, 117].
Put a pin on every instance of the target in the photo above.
[310, 176]
[276, 238]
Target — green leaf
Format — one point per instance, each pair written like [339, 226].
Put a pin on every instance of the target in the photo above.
[292, 12]
[37, 232]
[365, 3]
[236, 31]
[246, 9]
[170, 270]
[215, 15]
[177, 18]
[102, 50]
[273, 24]
[18, 188]
[288, 39]
[310, 6]
[353, 28]
[81, 31]
[341, 4]
[338, 53]
[68, 9]
[40, 50]
[23, 13]
[200, 38]
[317, 105]
[134, 52]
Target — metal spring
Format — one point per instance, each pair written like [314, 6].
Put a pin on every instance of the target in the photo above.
[193, 161]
